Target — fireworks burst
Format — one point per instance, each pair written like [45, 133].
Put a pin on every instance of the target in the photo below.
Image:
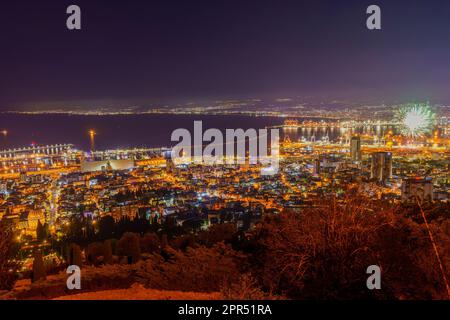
[415, 119]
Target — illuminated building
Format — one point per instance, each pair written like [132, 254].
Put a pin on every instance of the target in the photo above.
[414, 189]
[23, 177]
[290, 123]
[55, 149]
[3, 188]
[29, 219]
[355, 148]
[106, 165]
[37, 158]
[316, 166]
[170, 165]
[381, 166]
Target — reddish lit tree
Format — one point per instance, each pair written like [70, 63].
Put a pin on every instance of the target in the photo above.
[8, 266]
[107, 252]
[39, 272]
[323, 252]
[150, 243]
[129, 246]
[217, 233]
[94, 252]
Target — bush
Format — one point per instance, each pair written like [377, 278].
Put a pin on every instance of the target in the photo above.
[197, 270]
[246, 288]
[201, 269]
[183, 242]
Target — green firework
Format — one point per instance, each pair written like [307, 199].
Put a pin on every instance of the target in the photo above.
[415, 119]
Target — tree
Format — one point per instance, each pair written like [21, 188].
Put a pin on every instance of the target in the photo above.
[150, 243]
[41, 232]
[8, 251]
[217, 233]
[129, 246]
[324, 251]
[107, 252]
[164, 241]
[94, 252]
[38, 267]
[74, 255]
[74, 231]
[183, 242]
[106, 227]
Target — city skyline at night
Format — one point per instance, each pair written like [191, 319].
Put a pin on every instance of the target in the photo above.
[251, 154]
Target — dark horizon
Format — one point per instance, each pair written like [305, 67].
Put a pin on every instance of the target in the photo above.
[152, 51]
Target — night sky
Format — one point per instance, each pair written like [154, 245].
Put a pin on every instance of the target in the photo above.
[164, 50]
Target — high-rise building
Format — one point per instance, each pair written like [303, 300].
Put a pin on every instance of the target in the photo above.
[381, 168]
[170, 165]
[414, 189]
[355, 148]
[316, 166]
[3, 187]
